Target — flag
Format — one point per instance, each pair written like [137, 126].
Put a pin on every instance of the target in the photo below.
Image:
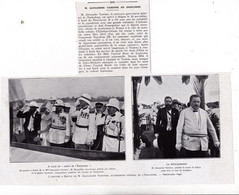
[137, 79]
[186, 79]
[16, 91]
[147, 80]
[158, 79]
[199, 87]
[201, 77]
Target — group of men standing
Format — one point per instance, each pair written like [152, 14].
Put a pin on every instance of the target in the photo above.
[185, 133]
[80, 126]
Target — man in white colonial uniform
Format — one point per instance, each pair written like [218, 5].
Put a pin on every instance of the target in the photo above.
[114, 128]
[46, 108]
[84, 122]
[59, 128]
[192, 130]
[45, 122]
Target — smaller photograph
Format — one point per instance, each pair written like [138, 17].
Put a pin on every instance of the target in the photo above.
[66, 119]
[176, 116]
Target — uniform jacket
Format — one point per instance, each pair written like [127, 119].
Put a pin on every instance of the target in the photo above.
[114, 133]
[193, 135]
[60, 128]
[85, 126]
[161, 123]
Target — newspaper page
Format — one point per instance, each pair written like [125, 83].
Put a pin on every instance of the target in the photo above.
[113, 36]
[115, 130]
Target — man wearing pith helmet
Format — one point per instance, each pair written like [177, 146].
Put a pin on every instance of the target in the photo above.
[59, 127]
[81, 117]
[50, 103]
[46, 108]
[32, 121]
[67, 108]
[114, 128]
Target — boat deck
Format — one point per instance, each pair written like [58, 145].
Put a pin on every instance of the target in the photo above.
[19, 155]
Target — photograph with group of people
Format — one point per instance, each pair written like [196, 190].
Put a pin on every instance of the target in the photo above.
[75, 113]
[176, 117]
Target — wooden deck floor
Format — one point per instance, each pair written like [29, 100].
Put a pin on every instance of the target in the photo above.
[19, 155]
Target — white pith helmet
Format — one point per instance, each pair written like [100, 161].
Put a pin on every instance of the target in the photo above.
[86, 98]
[33, 104]
[59, 103]
[52, 97]
[114, 103]
[67, 105]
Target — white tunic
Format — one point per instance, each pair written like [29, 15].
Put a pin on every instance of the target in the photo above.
[114, 126]
[45, 121]
[85, 124]
[60, 128]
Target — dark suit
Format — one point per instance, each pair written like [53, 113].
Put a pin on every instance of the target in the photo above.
[30, 135]
[99, 137]
[167, 139]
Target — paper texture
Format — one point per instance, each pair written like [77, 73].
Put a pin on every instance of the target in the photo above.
[113, 39]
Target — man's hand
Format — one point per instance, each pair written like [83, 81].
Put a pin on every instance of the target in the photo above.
[21, 104]
[67, 138]
[89, 142]
[217, 145]
[156, 135]
[178, 147]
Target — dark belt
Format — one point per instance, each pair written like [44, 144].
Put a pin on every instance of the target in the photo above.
[120, 138]
[195, 135]
[82, 126]
[58, 128]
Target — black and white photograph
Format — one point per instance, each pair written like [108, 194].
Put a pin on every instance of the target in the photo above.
[176, 116]
[66, 119]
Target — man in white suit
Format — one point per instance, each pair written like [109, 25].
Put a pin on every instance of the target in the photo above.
[192, 130]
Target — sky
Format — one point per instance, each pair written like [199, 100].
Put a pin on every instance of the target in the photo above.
[68, 87]
[172, 86]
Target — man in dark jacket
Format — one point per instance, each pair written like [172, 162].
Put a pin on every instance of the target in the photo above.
[165, 131]
[32, 121]
[99, 116]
